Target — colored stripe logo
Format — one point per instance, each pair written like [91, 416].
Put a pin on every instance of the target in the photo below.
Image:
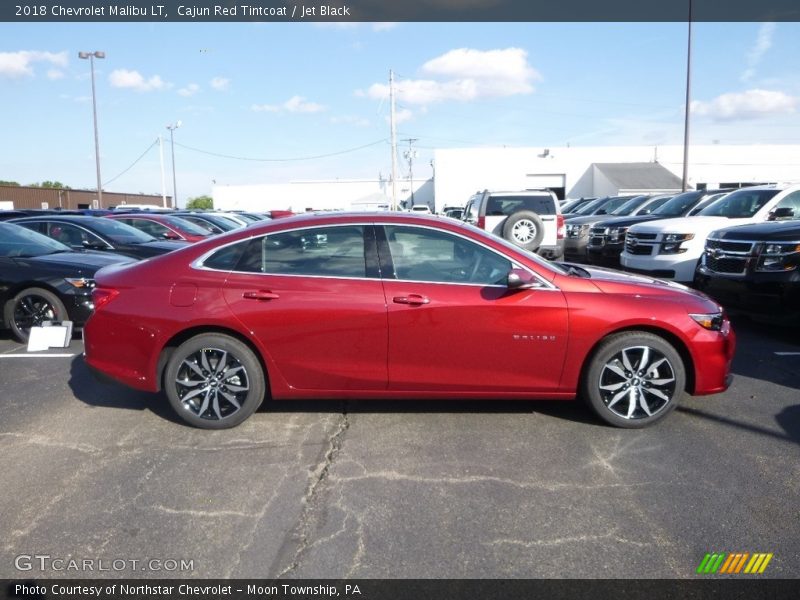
[719, 563]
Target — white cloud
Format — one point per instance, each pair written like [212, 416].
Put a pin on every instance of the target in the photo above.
[751, 104]
[463, 75]
[189, 90]
[20, 64]
[123, 78]
[54, 74]
[220, 84]
[403, 115]
[295, 104]
[759, 49]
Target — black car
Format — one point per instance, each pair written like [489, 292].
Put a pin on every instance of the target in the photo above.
[97, 233]
[43, 280]
[607, 237]
[754, 267]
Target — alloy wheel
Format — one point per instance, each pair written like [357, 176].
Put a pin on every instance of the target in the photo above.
[212, 383]
[638, 382]
[524, 231]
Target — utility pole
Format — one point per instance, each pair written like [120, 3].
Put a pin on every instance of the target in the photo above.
[163, 180]
[410, 155]
[393, 126]
[91, 56]
[685, 181]
[172, 127]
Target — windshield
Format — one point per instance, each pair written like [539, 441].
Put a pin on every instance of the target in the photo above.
[608, 205]
[741, 204]
[22, 242]
[589, 207]
[187, 226]
[678, 205]
[119, 232]
[629, 206]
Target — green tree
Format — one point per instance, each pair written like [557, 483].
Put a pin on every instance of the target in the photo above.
[201, 203]
[56, 185]
[9, 183]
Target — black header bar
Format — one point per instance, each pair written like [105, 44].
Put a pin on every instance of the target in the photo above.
[397, 10]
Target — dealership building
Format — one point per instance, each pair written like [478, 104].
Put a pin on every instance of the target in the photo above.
[571, 172]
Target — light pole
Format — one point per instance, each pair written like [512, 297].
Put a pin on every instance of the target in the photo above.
[687, 106]
[91, 56]
[172, 129]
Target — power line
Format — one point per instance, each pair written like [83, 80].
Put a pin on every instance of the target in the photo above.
[150, 147]
[338, 153]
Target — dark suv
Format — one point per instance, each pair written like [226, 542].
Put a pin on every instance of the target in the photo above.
[754, 267]
[530, 219]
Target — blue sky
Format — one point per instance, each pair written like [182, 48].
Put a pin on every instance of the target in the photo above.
[298, 90]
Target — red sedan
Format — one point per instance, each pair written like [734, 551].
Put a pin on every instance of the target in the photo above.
[396, 305]
[164, 226]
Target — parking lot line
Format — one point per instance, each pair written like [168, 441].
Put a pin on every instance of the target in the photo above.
[37, 355]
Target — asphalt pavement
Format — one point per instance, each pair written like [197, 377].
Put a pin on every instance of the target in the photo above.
[99, 476]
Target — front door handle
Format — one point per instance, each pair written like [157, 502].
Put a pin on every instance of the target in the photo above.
[413, 299]
[260, 295]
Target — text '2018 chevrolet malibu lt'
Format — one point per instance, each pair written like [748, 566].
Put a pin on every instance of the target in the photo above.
[395, 305]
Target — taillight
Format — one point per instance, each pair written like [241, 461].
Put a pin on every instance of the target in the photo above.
[560, 227]
[102, 296]
[481, 222]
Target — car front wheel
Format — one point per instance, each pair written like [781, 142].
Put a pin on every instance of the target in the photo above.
[214, 381]
[634, 379]
[30, 308]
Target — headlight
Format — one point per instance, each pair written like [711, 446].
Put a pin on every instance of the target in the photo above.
[672, 242]
[616, 234]
[779, 257]
[711, 321]
[577, 230]
[80, 282]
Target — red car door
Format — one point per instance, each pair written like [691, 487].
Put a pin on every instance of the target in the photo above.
[455, 326]
[312, 300]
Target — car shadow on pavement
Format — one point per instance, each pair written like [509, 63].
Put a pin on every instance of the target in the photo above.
[93, 392]
[788, 419]
[767, 351]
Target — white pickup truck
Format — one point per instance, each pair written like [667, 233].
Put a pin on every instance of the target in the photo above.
[671, 248]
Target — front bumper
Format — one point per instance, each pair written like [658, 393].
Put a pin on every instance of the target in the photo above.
[679, 267]
[761, 292]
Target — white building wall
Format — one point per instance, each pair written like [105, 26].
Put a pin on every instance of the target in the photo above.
[299, 196]
[463, 171]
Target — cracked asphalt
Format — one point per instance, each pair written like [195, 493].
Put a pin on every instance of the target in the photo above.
[398, 489]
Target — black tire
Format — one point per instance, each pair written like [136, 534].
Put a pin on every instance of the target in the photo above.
[214, 381]
[524, 229]
[634, 379]
[30, 308]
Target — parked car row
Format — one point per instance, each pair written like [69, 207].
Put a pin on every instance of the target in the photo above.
[740, 246]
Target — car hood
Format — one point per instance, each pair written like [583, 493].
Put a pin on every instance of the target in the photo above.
[687, 225]
[611, 281]
[84, 263]
[788, 231]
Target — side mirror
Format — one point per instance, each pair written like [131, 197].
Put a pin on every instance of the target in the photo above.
[785, 212]
[520, 279]
[168, 235]
[93, 245]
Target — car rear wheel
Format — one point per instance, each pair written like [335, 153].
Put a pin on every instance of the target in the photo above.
[634, 379]
[30, 308]
[525, 229]
[214, 381]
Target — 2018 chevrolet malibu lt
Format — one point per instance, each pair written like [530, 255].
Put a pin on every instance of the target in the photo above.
[395, 305]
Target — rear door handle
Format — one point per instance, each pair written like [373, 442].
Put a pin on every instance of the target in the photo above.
[260, 295]
[413, 299]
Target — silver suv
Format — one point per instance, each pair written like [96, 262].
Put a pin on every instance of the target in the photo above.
[531, 219]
